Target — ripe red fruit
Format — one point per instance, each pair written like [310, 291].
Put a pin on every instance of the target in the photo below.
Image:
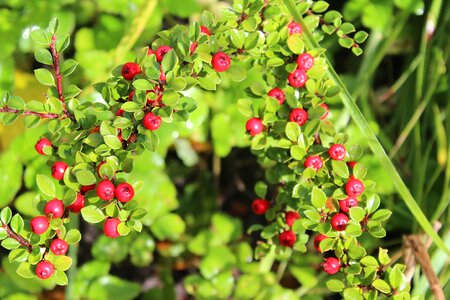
[105, 190]
[41, 145]
[151, 121]
[58, 170]
[161, 52]
[54, 208]
[287, 238]
[131, 95]
[254, 126]
[39, 224]
[150, 51]
[317, 241]
[124, 192]
[110, 227]
[331, 265]
[59, 247]
[205, 30]
[314, 162]
[299, 116]
[337, 152]
[297, 78]
[339, 221]
[193, 47]
[348, 203]
[277, 94]
[86, 188]
[77, 205]
[260, 206]
[130, 69]
[291, 217]
[325, 114]
[220, 62]
[354, 187]
[119, 113]
[44, 269]
[294, 28]
[305, 61]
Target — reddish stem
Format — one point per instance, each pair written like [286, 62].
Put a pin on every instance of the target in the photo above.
[6, 109]
[17, 237]
[59, 76]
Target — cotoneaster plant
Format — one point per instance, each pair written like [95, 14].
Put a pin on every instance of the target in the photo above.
[309, 193]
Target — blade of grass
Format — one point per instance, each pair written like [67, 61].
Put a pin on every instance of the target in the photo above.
[369, 134]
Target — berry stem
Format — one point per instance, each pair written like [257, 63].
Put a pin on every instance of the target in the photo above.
[20, 239]
[59, 77]
[7, 109]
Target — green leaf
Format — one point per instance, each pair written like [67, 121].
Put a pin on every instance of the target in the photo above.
[361, 36]
[10, 243]
[143, 84]
[382, 286]
[369, 261]
[383, 256]
[41, 37]
[207, 83]
[73, 236]
[381, 215]
[318, 198]
[297, 152]
[357, 214]
[19, 255]
[340, 168]
[24, 270]
[113, 142]
[43, 56]
[335, 285]
[295, 43]
[68, 67]
[16, 102]
[169, 61]
[45, 185]
[44, 76]
[396, 278]
[17, 223]
[62, 262]
[292, 131]
[85, 177]
[237, 73]
[5, 215]
[170, 226]
[92, 214]
[320, 6]
[60, 278]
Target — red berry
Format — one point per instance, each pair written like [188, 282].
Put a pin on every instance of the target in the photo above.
[288, 238]
[331, 265]
[354, 187]
[348, 203]
[59, 247]
[193, 47]
[86, 188]
[161, 52]
[105, 190]
[54, 208]
[44, 269]
[131, 95]
[124, 192]
[39, 224]
[351, 164]
[291, 217]
[162, 77]
[205, 30]
[315, 162]
[294, 28]
[150, 51]
[260, 206]
[58, 170]
[299, 116]
[297, 78]
[41, 145]
[254, 126]
[77, 205]
[220, 62]
[119, 113]
[325, 114]
[337, 152]
[305, 61]
[339, 221]
[130, 69]
[110, 227]
[317, 241]
[151, 121]
[277, 94]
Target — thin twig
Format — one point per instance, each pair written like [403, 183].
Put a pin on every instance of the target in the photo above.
[17, 237]
[7, 109]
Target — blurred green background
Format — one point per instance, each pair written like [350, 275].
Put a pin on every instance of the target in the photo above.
[201, 179]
